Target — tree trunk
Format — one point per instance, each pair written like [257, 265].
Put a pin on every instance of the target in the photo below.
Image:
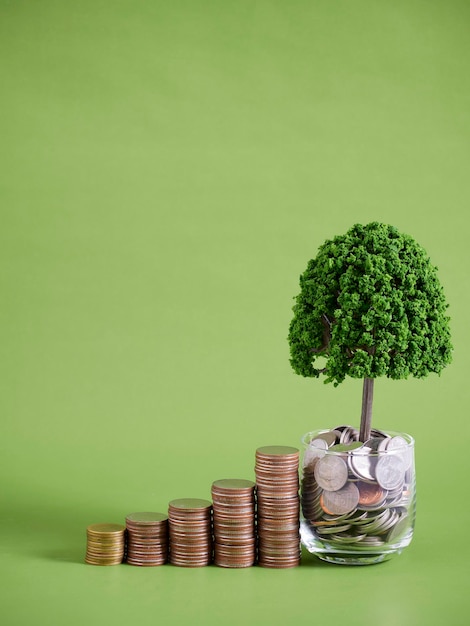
[366, 415]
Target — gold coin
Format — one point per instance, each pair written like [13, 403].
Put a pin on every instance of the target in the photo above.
[106, 529]
[283, 451]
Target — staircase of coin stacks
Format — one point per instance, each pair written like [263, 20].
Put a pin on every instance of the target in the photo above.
[246, 523]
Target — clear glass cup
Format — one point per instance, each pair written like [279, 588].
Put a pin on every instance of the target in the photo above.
[358, 499]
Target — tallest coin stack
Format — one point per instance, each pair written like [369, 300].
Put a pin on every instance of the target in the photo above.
[277, 484]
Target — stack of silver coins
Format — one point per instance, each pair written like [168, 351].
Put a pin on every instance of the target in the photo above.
[147, 539]
[234, 522]
[190, 526]
[105, 544]
[277, 485]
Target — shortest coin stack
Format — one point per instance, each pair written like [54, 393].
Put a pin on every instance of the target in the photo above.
[190, 524]
[277, 486]
[105, 544]
[234, 522]
[147, 539]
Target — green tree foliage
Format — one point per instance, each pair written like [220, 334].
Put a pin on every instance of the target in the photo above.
[371, 303]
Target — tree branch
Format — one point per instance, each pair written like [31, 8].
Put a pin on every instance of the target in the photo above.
[327, 324]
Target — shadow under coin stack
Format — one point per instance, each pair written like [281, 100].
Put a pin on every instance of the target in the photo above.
[234, 522]
[277, 485]
[147, 539]
[105, 544]
[190, 532]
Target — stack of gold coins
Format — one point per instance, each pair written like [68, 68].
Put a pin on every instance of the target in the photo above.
[105, 544]
[234, 522]
[277, 485]
[190, 524]
[147, 538]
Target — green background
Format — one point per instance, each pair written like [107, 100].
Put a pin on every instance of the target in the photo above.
[167, 170]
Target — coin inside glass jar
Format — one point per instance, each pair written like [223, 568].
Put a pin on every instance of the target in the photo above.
[331, 473]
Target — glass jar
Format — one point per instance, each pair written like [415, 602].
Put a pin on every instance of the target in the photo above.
[358, 499]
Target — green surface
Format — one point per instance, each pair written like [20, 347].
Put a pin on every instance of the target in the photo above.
[167, 170]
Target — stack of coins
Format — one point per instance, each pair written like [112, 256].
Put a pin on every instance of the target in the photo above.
[190, 527]
[105, 544]
[234, 522]
[277, 484]
[147, 539]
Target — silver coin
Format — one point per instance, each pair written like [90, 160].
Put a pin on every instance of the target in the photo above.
[386, 526]
[396, 442]
[329, 438]
[373, 526]
[345, 436]
[315, 450]
[357, 517]
[365, 521]
[331, 473]
[335, 518]
[342, 501]
[390, 471]
[397, 501]
[329, 530]
[346, 447]
[383, 445]
[373, 443]
[402, 449]
[371, 540]
[409, 477]
[394, 493]
[363, 464]
[347, 539]
[319, 442]
[340, 429]
[348, 435]
[400, 528]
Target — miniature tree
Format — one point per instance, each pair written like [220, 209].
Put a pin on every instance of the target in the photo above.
[372, 305]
